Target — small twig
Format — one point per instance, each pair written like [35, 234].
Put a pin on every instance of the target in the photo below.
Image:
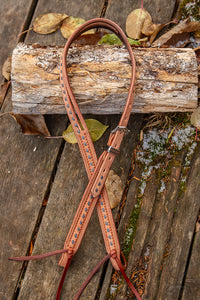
[6, 90]
[25, 31]
[54, 137]
[6, 113]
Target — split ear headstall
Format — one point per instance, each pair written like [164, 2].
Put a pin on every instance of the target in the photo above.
[95, 194]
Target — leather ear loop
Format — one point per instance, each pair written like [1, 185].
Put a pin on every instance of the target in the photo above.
[107, 24]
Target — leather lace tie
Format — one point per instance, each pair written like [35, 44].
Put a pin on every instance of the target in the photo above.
[95, 194]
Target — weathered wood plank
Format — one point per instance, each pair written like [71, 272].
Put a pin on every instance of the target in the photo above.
[86, 9]
[42, 277]
[12, 18]
[160, 10]
[191, 289]
[26, 165]
[159, 230]
[153, 228]
[181, 235]
[166, 79]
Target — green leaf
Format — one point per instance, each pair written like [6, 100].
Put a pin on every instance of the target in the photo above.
[112, 39]
[96, 130]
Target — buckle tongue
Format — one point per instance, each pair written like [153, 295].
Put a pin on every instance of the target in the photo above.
[121, 128]
[112, 150]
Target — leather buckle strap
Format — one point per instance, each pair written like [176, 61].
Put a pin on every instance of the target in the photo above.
[121, 128]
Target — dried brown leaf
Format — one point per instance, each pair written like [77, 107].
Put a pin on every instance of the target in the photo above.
[137, 23]
[32, 124]
[6, 70]
[182, 27]
[3, 91]
[195, 118]
[70, 25]
[114, 188]
[90, 39]
[157, 28]
[48, 23]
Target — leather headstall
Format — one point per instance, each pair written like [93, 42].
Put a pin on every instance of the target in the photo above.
[97, 169]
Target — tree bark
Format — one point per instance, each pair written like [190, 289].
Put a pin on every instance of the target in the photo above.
[166, 79]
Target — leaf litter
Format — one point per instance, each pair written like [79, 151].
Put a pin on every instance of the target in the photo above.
[70, 24]
[48, 23]
[96, 130]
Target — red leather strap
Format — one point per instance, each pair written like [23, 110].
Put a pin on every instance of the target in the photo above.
[40, 256]
[127, 279]
[88, 279]
[63, 277]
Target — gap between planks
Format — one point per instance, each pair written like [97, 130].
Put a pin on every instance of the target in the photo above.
[38, 222]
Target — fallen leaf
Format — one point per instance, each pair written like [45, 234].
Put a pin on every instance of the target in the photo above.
[182, 27]
[114, 188]
[137, 22]
[157, 28]
[70, 25]
[6, 70]
[32, 124]
[179, 40]
[112, 39]
[96, 130]
[48, 23]
[3, 91]
[195, 118]
[90, 39]
[197, 226]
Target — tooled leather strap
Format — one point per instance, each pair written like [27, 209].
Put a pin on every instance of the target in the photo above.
[97, 170]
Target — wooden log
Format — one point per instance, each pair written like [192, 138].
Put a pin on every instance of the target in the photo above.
[166, 79]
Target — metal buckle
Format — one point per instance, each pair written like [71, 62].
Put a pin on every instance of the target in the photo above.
[121, 128]
[112, 150]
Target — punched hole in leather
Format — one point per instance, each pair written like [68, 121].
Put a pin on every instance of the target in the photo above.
[95, 194]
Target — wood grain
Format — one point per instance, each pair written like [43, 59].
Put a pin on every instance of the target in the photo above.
[13, 15]
[166, 79]
[26, 165]
[191, 289]
[181, 235]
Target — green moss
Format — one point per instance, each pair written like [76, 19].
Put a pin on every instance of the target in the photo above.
[131, 229]
[189, 8]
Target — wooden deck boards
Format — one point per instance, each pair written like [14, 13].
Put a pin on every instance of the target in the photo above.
[13, 16]
[27, 168]
[86, 9]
